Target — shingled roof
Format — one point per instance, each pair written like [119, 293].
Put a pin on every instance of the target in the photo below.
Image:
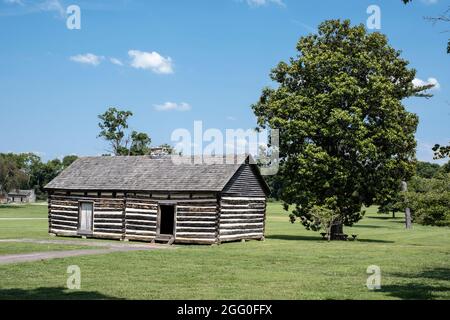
[146, 173]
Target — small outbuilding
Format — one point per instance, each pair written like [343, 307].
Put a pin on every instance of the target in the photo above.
[21, 196]
[159, 199]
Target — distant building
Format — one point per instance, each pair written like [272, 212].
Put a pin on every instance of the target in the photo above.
[21, 196]
[160, 151]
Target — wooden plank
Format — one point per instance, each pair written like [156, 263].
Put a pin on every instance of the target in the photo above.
[240, 236]
[145, 222]
[142, 216]
[64, 212]
[63, 232]
[54, 221]
[243, 198]
[132, 210]
[195, 240]
[140, 226]
[63, 226]
[107, 230]
[128, 231]
[196, 218]
[242, 225]
[192, 213]
[241, 216]
[63, 217]
[199, 235]
[225, 232]
[242, 210]
[195, 229]
[63, 206]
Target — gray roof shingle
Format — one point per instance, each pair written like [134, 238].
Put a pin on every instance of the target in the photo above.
[146, 173]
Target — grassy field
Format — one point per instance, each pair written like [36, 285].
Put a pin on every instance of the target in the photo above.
[291, 264]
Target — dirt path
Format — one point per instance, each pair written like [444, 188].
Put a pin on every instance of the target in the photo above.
[109, 247]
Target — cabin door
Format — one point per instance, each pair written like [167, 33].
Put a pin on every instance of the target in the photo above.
[166, 219]
[86, 211]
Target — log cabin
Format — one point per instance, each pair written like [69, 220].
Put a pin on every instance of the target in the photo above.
[157, 199]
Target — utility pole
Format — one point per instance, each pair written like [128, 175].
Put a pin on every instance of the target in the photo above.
[408, 223]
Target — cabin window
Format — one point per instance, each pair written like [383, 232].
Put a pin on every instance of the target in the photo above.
[167, 217]
[86, 211]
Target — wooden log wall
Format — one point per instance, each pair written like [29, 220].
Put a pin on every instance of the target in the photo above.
[107, 215]
[241, 218]
[134, 216]
[140, 218]
[62, 215]
[196, 221]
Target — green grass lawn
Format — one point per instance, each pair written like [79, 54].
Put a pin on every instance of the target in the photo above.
[291, 264]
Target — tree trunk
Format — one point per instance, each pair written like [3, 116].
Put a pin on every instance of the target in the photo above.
[408, 221]
[337, 229]
[393, 214]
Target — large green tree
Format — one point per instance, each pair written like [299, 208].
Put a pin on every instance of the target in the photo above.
[346, 140]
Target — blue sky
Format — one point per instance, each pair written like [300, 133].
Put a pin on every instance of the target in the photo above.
[174, 62]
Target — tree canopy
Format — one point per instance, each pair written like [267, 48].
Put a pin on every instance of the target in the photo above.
[28, 171]
[346, 140]
[114, 125]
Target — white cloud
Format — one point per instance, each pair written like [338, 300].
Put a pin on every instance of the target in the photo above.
[260, 3]
[231, 118]
[172, 106]
[151, 61]
[116, 61]
[420, 83]
[88, 58]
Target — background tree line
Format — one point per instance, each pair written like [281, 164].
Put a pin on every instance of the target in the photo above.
[428, 195]
[28, 171]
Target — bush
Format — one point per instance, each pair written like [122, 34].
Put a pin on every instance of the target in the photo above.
[429, 200]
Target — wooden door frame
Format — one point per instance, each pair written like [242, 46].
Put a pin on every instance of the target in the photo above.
[158, 217]
[81, 232]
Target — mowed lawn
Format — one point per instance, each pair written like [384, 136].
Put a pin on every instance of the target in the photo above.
[18, 222]
[291, 264]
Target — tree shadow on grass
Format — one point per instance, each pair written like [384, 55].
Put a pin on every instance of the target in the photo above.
[319, 237]
[435, 274]
[388, 218]
[374, 241]
[370, 226]
[419, 290]
[11, 206]
[414, 291]
[293, 237]
[52, 293]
